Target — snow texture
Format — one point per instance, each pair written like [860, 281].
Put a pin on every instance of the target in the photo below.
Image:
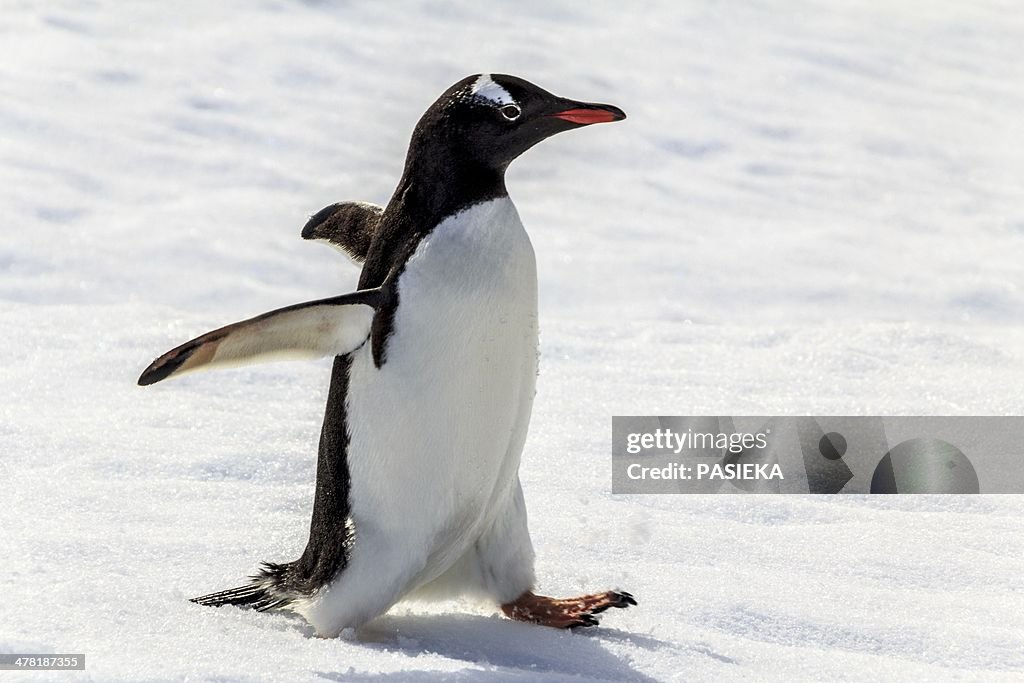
[810, 210]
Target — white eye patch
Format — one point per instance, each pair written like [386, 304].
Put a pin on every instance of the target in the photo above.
[486, 89]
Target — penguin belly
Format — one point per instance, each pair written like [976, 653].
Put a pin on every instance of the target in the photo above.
[437, 431]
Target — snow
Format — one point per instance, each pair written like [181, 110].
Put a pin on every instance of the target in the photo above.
[808, 211]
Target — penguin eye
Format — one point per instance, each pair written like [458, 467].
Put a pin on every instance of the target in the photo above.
[511, 112]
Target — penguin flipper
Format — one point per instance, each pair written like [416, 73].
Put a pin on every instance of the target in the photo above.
[348, 227]
[315, 329]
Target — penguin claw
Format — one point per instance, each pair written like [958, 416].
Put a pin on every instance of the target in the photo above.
[616, 599]
[584, 620]
[624, 599]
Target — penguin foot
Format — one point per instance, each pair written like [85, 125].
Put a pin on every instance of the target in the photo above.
[567, 612]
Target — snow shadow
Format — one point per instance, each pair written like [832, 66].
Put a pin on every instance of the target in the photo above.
[505, 650]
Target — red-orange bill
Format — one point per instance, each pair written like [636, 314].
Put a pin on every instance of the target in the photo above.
[587, 116]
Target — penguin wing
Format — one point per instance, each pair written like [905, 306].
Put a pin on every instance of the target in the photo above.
[315, 329]
[348, 227]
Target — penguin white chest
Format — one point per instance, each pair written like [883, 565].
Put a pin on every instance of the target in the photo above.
[437, 430]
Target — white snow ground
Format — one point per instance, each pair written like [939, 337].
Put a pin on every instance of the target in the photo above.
[810, 210]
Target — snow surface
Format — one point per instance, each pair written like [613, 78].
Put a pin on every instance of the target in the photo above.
[810, 210]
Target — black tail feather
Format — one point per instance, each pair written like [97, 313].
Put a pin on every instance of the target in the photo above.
[264, 593]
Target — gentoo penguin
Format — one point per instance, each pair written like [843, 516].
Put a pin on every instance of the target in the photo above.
[435, 362]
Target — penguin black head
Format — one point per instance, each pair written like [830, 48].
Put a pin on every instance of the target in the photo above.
[490, 119]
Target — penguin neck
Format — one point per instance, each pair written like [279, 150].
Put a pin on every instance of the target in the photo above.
[438, 184]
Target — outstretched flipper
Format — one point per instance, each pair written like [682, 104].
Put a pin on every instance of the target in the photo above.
[348, 227]
[315, 329]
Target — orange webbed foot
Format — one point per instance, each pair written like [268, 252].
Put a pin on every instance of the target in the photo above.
[566, 612]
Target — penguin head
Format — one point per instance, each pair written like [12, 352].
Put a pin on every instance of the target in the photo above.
[493, 118]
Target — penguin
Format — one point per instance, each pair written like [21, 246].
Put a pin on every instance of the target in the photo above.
[417, 492]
